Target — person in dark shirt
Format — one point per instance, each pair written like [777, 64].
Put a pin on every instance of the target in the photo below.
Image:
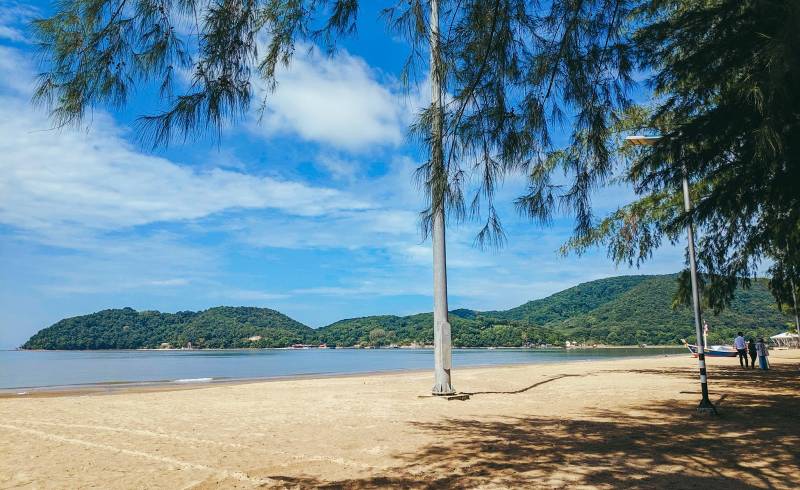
[751, 349]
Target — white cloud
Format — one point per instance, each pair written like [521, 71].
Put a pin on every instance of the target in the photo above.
[334, 100]
[92, 287]
[55, 183]
[374, 228]
[92, 263]
[337, 167]
[95, 179]
[246, 294]
[177, 281]
[13, 16]
[11, 33]
[17, 72]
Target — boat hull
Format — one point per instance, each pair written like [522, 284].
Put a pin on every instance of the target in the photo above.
[713, 351]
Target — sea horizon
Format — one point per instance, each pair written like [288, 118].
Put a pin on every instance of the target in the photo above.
[36, 370]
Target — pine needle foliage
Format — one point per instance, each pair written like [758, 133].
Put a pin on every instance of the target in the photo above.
[515, 72]
[725, 75]
[97, 52]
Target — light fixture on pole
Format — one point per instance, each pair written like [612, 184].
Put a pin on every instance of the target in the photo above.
[705, 407]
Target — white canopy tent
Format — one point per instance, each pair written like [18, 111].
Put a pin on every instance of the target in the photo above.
[786, 339]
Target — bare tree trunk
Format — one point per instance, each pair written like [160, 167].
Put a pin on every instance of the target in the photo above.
[442, 350]
[794, 301]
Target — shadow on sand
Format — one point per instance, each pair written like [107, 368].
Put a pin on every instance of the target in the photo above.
[522, 390]
[753, 443]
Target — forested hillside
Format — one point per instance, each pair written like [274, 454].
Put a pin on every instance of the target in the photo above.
[469, 329]
[126, 328]
[621, 310]
[644, 313]
[624, 310]
[571, 302]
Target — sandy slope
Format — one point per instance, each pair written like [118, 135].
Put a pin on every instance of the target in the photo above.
[603, 424]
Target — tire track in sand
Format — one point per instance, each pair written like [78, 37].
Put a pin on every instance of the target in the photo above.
[139, 432]
[220, 472]
[283, 454]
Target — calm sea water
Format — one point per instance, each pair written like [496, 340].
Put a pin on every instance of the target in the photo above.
[24, 369]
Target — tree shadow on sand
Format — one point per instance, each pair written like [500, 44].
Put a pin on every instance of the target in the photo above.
[523, 390]
[753, 443]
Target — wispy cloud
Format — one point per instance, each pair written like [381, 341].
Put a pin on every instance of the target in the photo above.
[246, 295]
[66, 178]
[338, 167]
[13, 17]
[16, 73]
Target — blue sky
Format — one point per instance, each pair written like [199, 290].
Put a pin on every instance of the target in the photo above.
[311, 211]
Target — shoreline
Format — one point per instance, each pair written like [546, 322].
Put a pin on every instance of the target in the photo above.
[622, 423]
[248, 349]
[119, 387]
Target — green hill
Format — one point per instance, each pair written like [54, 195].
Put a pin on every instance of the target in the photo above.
[221, 327]
[643, 313]
[576, 300]
[622, 310]
[469, 329]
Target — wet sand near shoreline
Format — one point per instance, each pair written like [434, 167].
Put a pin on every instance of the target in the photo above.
[600, 424]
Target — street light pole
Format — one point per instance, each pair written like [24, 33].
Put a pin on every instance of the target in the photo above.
[705, 404]
[705, 407]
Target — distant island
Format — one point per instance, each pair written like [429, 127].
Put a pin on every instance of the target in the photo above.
[623, 310]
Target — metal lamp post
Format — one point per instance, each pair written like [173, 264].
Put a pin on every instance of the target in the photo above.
[705, 407]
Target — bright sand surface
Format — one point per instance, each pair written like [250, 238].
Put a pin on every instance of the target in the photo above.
[609, 424]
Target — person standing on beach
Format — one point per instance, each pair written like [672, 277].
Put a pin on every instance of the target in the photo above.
[763, 354]
[751, 349]
[741, 348]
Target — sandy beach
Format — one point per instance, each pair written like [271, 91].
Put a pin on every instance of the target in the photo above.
[607, 424]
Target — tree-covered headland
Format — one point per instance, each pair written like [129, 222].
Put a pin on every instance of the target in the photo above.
[625, 310]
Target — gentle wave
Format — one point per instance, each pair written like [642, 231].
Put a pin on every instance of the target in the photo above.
[194, 380]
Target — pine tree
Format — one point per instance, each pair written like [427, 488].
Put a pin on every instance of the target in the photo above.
[506, 75]
[725, 75]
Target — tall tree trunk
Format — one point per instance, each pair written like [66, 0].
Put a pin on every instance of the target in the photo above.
[794, 302]
[442, 350]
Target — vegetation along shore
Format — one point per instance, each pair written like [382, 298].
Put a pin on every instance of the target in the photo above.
[623, 310]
